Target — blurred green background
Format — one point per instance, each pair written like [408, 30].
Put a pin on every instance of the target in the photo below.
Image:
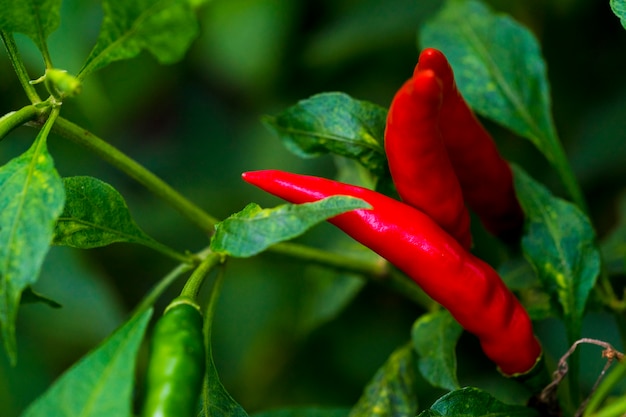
[196, 124]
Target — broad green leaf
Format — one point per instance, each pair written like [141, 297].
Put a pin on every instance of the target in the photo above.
[306, 412]
[101, 383]
[254, 229]
[472, 402]
[498, 68]
[334, 123]
[31, 198]
[559, 242]
[619, 8]
[392, 391]
[165, 28]
[434, 337]
[216, 400]
[35, 18]
[96, 215]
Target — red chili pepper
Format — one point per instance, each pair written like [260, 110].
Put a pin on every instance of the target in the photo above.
[418, 160]
[468, 287]
[485, 177]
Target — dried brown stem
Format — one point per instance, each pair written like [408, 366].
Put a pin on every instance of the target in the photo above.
[548, 395]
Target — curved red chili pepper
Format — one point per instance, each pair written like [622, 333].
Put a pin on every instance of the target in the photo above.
[468, 287]
[485, 177]
[418, 160]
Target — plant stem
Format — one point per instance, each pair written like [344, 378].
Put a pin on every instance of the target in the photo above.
[379, 271]
[18, 66]
[216, 289]
[14, 119]
[215, 398]
[564, 169]
[160, 288]
[194, 283]
[169, 252]
[136, 171]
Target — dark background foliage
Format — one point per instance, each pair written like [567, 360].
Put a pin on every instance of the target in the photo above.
[196, 124]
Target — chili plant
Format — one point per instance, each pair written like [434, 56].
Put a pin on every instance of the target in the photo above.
[441, 214]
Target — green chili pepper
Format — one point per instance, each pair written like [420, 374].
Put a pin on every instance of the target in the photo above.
[177, 362]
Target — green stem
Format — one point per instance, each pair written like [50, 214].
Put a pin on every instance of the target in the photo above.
[194, 283]
[216, 289]
[14, 119]
[379, 271]
[160, 288]
[136, 171]
[215, 398]
[169, 252]
[18, 66]
[564, 169]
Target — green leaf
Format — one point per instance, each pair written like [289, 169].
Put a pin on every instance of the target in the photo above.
[392, 391]
[254, 229]
[306, 412]
[216, 400]
[498, 68]
[31, 198]
[619, 8]
[165, 28]
[101, 383]
[472, 402]
[334, 123]
[434, 337]
[559, 242]
[95, 215]
[37, 19]
[31, 296]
